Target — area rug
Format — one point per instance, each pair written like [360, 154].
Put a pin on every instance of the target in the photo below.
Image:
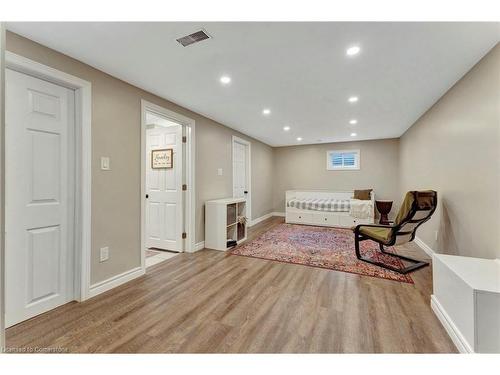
[322, 247]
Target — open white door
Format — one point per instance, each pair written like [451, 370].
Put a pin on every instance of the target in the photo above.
[241, 171]
[40, 185]
[164, 209]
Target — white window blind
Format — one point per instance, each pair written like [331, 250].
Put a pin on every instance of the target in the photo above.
[346, 159]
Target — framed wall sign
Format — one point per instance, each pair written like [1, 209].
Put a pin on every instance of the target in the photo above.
[163, 158]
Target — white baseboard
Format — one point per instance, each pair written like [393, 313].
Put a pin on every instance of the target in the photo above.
[452, 330]
[265, 217]
[113, 282]
[199, 246]
[259, 219]
[428, 250]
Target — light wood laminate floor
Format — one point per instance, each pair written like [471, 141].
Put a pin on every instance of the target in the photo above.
[213, 302]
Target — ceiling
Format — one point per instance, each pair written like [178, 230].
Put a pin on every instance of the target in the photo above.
[300, 71]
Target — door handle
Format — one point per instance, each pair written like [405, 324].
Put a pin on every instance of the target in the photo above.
[245, 192]
[147, 196]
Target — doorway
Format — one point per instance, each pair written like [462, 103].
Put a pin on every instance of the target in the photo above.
[242, 172]
[164, 181]
[167, 184]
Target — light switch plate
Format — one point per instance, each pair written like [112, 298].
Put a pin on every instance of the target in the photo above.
[105, 163]
[104, 254]
[219, 171]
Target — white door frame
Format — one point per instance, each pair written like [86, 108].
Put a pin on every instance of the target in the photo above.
[249, 172]
[83, 173]
[2, 186]
[189, 207]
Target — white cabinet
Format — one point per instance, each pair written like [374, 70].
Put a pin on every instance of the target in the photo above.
[466, 300]
[223, 222]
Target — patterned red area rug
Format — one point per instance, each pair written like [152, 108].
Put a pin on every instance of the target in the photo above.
[322, 247]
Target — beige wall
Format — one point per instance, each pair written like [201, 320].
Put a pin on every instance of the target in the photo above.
[304, 167]
[213, 151]
[454, 149]
[116, 133]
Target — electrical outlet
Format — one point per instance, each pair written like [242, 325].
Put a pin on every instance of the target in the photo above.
[104, 254]
[219, 171]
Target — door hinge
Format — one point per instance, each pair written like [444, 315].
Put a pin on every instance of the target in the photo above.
[184, 235]
[184, 187]
[184, 139]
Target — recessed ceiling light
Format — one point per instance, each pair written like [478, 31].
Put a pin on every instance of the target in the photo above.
[353, 99]
[354, 50]
[299, 139]
[225, 80]
[286, 128]
[353, 122]
[266, 111]
[353, 134]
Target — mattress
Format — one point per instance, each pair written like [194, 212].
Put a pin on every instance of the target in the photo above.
[330, 205]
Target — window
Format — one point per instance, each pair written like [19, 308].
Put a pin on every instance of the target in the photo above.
[342, 160]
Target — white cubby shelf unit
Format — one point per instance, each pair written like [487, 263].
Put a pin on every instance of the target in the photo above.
[222, 224]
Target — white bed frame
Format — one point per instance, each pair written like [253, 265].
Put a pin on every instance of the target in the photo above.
[324, 218]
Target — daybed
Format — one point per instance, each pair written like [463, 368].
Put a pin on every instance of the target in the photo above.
[328, 208]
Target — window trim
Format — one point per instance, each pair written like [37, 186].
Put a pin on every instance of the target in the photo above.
[357, 160]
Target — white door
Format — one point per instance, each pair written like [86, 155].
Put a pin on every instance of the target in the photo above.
[240, 169]
[164, 224]
[39, 201]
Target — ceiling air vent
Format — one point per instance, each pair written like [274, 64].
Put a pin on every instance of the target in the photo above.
[193, 38]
